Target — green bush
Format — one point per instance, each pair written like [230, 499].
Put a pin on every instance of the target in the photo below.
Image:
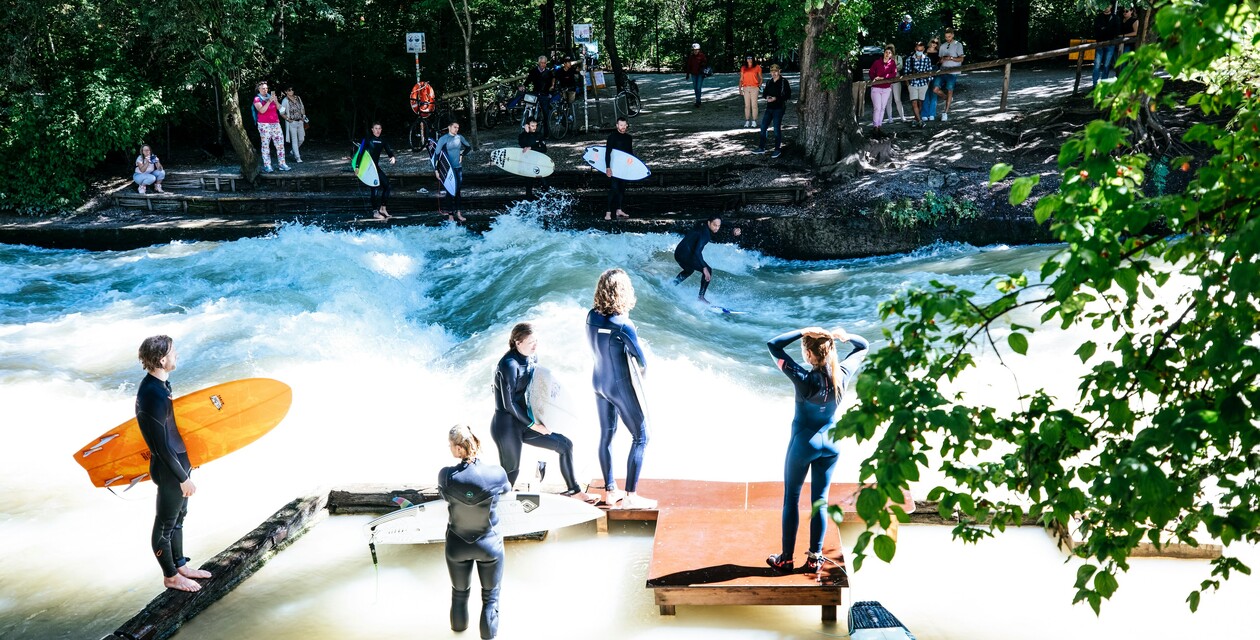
[931, 211]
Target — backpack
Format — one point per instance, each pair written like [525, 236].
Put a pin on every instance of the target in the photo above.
[252, 109]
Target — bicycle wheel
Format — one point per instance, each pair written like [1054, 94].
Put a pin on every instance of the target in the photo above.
[559, 122]
[490, 117]
[416, 136]
[632, 103]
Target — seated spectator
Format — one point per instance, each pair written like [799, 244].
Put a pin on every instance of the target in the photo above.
[148, 170]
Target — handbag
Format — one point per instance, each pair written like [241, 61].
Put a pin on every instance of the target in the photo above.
[707, 72]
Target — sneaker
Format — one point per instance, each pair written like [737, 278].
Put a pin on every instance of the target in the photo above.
[637, 502]
[158, 188]
[776, 153]
[814, 562]
[285, 167]
[780, 565]
[143, 189]
[266, 169]
[299, 160]
[759, 151]
[905, 119]
[944, 117]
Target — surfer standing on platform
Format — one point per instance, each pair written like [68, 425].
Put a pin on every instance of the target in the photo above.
[531, 140]
[819, 391]
[514, 422]
[689, 254]
[169, 466]
[621, 140]
[373, 143]
[454, 146]
[613, 340]
[471, 490]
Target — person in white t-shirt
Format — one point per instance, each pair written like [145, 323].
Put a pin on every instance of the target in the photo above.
[951, 56]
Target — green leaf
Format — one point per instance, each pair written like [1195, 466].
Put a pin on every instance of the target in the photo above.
[998, 172]
[1022, 188]
[1105, 584]
[1083, 575]
[885, 548]
[1193, 599]
[1018, 343]
[1045, 208]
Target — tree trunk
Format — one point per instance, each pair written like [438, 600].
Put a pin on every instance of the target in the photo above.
[547, 26]
[818, 108]
[234, 126]
[610, 44]
[567, 36]
[468, 81]
[728, 36]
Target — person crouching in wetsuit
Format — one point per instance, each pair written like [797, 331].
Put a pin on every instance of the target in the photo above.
[168, 464]
[689, 254]
[818, 394]
[513, 423]
[531, 140]
[471, 490]
[612, 337]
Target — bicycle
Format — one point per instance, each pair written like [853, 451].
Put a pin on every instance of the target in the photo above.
[561, 117]
[498, 106]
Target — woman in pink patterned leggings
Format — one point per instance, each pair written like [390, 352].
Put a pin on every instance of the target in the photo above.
[267, 112]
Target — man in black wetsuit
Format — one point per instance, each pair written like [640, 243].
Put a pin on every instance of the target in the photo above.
[471, 490]
[540, 79]
[621, 141]
[531, 140]
[373, 143]
[690, 253]
[168, 465]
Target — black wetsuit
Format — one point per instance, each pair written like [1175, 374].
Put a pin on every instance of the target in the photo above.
[536, 142]
[373, 145]
[169, 467]
[689, 254]
[513, 420]
[472, 490]
[611, 338]
[616, 186]
[811, 448]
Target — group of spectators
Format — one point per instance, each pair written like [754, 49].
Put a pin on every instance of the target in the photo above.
[1109, 26]
[924, 92]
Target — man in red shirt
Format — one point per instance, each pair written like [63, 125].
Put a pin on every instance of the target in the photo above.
[694, 67]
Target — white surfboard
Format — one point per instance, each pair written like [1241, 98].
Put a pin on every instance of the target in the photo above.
[624, 165]
[519, 514]
[531, 164]
[551, 404]
[636, 381]
[363, 166]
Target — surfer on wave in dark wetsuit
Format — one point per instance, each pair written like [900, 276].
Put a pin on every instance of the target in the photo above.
[514, 422]
[612, 338]
[818, 394]
[472, 489]
[168, 465]
[689, 254]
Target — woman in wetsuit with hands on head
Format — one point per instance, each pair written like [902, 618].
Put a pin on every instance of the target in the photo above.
[819, 391]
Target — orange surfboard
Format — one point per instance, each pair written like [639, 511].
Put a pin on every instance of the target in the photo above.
[213, 422]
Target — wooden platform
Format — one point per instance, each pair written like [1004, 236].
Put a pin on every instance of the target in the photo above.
[700, 494]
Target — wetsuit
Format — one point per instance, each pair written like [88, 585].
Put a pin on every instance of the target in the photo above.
[689, 254]
[169, 467]
[513, 420]
[616, 186]
[536, 142]
[472, 491]
[611, 338]
[811, 448]
[374, 145]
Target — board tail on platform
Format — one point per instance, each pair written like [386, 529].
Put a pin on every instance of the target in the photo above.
[869, 620]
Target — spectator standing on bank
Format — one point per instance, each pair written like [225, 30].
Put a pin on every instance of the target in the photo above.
[531, 140]
[749, 87]
[540, 80]
[695, 67]
[1106, 27]
[567, 78]
[896, 89]
[929, 101]
[267, 113]
[883, 68]
[294, 113]
[148, 170]
[1129, 26]
[951, 58]
[777, 94]
[917, 63]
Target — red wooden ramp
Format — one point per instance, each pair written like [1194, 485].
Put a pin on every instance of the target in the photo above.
[712, 539]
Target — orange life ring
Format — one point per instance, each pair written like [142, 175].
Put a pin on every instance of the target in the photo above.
[422, 99]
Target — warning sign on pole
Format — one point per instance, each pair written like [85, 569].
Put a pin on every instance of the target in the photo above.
[415, 43]
[581, 33]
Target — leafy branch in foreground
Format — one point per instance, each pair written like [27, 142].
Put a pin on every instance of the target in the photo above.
[1163, 443]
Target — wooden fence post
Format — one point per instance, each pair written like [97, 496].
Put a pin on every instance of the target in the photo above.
[1006, 86]
[1080, 60]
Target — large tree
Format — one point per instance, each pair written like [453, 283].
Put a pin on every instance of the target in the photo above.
[828, 133]
[1162, 445]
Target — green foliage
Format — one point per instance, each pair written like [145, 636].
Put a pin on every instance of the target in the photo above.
[931, 211]
[1163, 443]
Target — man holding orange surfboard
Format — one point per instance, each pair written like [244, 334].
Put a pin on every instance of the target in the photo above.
[169, 466]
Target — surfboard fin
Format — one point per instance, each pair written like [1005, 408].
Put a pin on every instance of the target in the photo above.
[402, 502]
[97, 447]
[135, 481]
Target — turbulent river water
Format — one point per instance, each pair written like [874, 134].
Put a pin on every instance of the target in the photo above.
[388, 337]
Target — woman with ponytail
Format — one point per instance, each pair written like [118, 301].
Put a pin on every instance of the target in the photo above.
[819, 390]
[471, 490]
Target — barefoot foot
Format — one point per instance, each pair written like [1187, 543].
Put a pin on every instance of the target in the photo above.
[189, 572]
[180, 583]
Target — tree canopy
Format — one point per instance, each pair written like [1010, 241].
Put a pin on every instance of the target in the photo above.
[1162, 444]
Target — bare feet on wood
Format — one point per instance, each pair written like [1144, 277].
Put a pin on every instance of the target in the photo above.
[180, 583]
[189, 572]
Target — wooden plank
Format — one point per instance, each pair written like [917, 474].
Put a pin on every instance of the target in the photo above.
[165, 614]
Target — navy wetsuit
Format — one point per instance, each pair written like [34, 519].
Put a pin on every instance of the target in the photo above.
[374, 145]
[513, 420]
[689, 254]
[611, 338]
[169, 467]
[811, 448]
[472, 490]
